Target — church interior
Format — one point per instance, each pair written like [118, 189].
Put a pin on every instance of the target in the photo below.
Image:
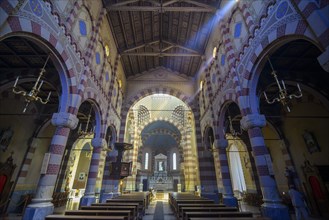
[163, 101]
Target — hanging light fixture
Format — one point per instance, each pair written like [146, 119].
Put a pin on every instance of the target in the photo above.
[284, 98]
[232, 131]
[85, 131]
[32, 95]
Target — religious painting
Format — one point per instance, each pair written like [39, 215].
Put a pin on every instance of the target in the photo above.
[311, 142]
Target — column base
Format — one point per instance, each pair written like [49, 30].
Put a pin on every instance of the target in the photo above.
[104, 196]
[230, 201]
[38, 211]
[87, 200]
[279, 212]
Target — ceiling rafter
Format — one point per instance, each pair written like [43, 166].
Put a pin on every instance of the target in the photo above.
[162, 7]
[125, 37]
[161, 54]
[188, 32]
[144, 33]
[161, 51]
[134, 31]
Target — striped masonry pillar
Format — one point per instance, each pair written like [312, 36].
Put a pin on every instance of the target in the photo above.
[41, 205]
[89, 196]
[272, 206]
[228, 196]
[107, 188]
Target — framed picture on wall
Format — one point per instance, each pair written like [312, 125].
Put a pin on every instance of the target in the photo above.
[82, 176]
[311, 142]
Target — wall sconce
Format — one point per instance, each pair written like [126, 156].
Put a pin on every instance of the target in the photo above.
[284, 97]
[32, 95]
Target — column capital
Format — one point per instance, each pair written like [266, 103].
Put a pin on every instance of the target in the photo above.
[252, 121]
[221, 143]
[64, 119]
[99, 142]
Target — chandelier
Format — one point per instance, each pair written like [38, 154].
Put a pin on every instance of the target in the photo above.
[284, 98]
[32, 95]
[232, 131]
[85, 131]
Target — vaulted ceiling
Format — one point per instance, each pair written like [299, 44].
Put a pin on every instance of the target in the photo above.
[161, 33]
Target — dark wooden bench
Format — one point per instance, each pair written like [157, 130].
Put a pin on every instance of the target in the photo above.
[188, 215]
[179, 206]
[132, 208]
[232, 218]
[125, 213]
[206, 209]
[140, 202]
[84, 217]
[190, 201]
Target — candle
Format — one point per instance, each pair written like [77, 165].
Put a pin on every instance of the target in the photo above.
[265, 95]
[16, 81]
[40, 85]
[48, 96]
[284, 86]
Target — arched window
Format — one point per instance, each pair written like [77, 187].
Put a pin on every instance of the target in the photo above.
[146, 166]
[174, 165]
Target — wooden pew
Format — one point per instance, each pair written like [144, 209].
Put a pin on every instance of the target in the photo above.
[233, 218]
[125, 213]
[189, 215]
[189, 201]
[84, 217]
[180, 205]
[127, 201]
[205, 209]
[132, 209]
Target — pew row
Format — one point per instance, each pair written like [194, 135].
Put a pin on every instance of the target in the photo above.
[84, 217]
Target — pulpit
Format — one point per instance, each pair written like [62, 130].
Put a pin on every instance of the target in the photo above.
[119, 169]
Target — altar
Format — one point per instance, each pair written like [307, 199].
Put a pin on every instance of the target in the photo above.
[160, 179]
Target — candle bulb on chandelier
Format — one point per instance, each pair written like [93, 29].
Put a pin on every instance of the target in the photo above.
[16, 81]
[40, 85]
[265, 95]
[48, 96]
[283, 84]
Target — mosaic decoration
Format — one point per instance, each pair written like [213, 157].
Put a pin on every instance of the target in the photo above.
[107, 77]
[98, 58]
[213, 78]
[222, 60]
[237, 30]
[282, 10]
[36, 7]
[83, 28]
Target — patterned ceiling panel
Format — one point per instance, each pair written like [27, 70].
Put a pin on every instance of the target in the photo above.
[172, 34]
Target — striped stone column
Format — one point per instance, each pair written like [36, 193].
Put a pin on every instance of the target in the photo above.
[89, 196]
[272, 206]
[41, 205]
[106, 191]
[228, 196]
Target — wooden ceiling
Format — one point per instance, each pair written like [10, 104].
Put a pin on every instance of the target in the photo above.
[161, 33]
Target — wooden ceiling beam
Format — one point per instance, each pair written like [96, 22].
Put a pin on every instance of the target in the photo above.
[140, 46]
[182, 47]
[161, 9]
[162, 54]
